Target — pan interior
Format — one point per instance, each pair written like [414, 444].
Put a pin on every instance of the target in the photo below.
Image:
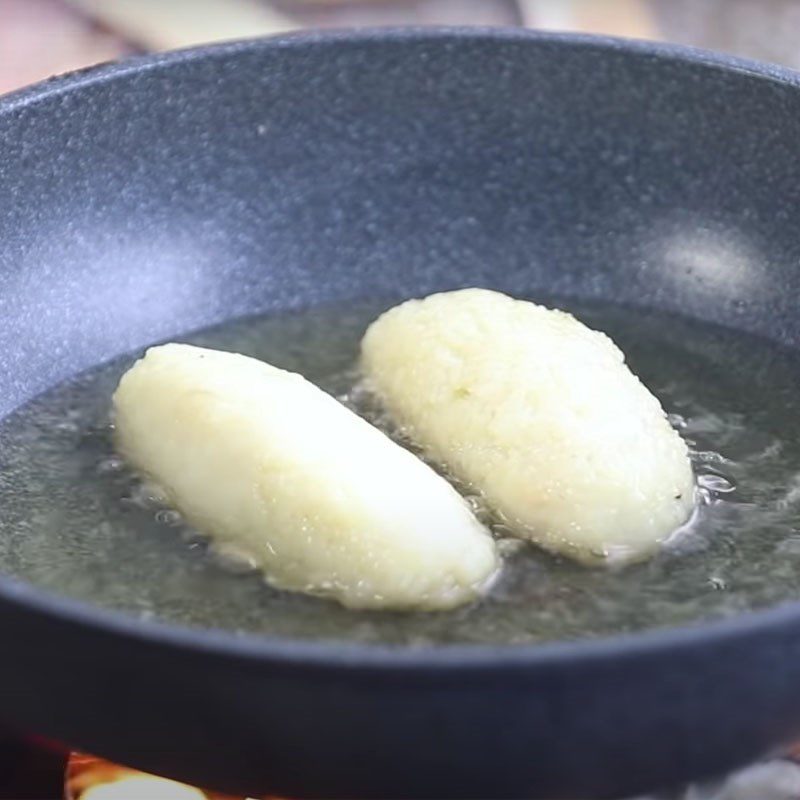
[76, 522]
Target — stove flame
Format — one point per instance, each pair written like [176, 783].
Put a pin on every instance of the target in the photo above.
[90, 778]
[135, 787]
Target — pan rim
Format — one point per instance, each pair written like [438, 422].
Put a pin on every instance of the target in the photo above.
[381, 658]
[668, 51]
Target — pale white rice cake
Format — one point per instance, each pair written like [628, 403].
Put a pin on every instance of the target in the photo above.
[323, 502]
[537, 413]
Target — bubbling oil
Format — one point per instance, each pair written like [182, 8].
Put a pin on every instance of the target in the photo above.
[78, 522]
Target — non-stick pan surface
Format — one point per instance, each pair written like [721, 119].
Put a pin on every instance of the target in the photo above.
[289, 172]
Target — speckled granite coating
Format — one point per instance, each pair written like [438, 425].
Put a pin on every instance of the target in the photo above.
[143, 200]
[178, 192]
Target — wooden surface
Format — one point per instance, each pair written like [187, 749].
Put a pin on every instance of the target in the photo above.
[160, 25]
[41, 37]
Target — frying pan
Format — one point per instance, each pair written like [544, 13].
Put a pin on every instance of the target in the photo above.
[289, 172]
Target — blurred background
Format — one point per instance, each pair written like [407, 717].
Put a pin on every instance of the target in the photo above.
[39, 38]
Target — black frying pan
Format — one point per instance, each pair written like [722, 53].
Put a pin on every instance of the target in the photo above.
[318, 168]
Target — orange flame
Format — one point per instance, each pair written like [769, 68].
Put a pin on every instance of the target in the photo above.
[90, 778]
